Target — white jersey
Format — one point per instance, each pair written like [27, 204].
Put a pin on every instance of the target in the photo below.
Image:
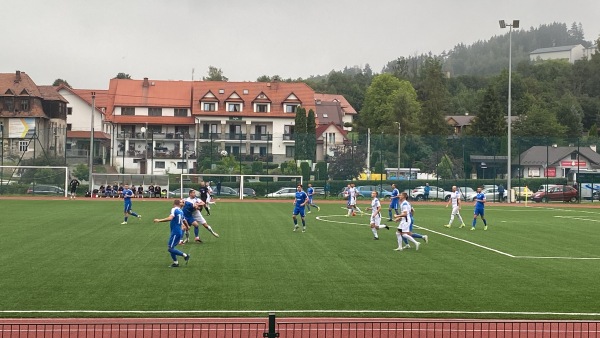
[455, 197]
[404, 225]
[376, 214]
[352, 193]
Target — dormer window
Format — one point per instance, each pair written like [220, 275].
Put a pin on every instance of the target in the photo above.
[290, 108]
[209, 106]
[234, 107]
[262, 107]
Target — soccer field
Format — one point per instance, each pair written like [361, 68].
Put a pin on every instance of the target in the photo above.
[73, 258]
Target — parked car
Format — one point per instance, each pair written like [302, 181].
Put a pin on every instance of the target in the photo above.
[180, 193]
[543, 186]
[491, 195]
[43, 189]
[467, 193]
[365, 191]
[418, 193]
[283, 192]
[225, 191]
[565, 193]
[248, 192]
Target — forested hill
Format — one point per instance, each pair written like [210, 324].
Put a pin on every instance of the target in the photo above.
[485, 58]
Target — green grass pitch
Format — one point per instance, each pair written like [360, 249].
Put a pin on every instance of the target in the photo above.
[541, 262]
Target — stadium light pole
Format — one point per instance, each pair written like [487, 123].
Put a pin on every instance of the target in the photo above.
[514, 24]
[91, 183]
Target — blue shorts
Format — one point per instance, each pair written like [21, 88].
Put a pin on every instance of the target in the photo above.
[310, 200]
[394, 204]
[127, 206]
[479, 211]
[298, 210]
[174, 240]
[189, 220]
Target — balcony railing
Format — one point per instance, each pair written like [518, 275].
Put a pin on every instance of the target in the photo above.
[160, 153]
[236, 136]
[155, 136]
[261, 137]
[288, 137]
[208, 136]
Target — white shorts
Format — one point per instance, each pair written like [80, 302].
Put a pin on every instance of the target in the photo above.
[376, 219]
[199, 218]
[404, 226]
[352, 201]
[455, 210]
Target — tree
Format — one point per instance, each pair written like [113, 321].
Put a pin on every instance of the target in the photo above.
[570, 114]
[300, 135]
[215, 74]
[387, 100]
[435, 99]
[539, 122]
[490, 119]
[59, 82]
[347, 162]
[123, 76]
[82, 172]
[311, 136]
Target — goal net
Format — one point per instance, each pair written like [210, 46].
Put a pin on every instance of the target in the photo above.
[159, 184]
[239, 186]
[34, 180]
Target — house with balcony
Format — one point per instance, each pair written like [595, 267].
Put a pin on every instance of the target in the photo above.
[79, 119]
[251, 119]
[32, 118]
[330, 132]
[151, 126]
[348, 113]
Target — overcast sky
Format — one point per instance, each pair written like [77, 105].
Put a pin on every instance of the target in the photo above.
[87, 42]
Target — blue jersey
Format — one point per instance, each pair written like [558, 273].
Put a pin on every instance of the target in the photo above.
[394, 199]
[310, 191]
[127, 195]
[480, 197]
[188, 209]
[176, 221]
[301, 197]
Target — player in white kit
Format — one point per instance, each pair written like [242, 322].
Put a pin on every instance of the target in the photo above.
[455, 200]
[375, 209]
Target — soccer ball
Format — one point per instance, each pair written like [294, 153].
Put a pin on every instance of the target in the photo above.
[223, 153]
[353, 213]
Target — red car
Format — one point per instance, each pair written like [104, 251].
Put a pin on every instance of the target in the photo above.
[565, 193]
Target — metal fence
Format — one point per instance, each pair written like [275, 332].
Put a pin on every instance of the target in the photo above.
[296, 327]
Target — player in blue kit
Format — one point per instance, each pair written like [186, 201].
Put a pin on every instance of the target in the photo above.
[300, 201]
[310, 192]
[393, 202]
[188, 209]
[127, 195]
[479, 209]
[177, 223]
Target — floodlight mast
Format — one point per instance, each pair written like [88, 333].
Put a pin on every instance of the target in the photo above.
[514, 24]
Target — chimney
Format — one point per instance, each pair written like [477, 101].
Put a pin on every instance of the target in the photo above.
[146, 83]
[18, 76]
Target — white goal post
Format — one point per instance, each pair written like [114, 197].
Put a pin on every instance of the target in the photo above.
[16, 172]
[241, 179]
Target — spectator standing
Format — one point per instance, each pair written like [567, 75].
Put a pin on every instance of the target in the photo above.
[426, 191]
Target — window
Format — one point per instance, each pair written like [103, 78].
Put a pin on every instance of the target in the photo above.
[25, 104]
[261, 108]
[159, 165]
[331, 138]
[23, 145]
[69, 125]
[210, 106]
[181, 112]
[9, 103]
[263, 151]
[154, 111]
[290, 108]
[289, 151]
[128, 111]
[288, 133]
[234, 107]
[69, 110]
[573, 156]
[155, 129]
[181, 165]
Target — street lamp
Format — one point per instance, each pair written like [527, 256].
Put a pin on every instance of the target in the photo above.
[515, 24]
[91, 169]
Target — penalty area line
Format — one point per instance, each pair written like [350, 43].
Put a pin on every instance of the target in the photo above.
[468, 242]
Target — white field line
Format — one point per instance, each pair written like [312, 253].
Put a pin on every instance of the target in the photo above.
[323, 219]
[262, 312]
